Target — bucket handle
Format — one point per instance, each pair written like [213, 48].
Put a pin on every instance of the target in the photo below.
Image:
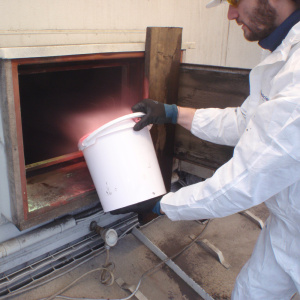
[113, 122]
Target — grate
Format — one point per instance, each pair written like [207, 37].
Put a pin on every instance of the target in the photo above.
[71, 256]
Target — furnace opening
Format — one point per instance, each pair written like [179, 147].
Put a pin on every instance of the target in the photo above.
[60, 102]
[58, 108]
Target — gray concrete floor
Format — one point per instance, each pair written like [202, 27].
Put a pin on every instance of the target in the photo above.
[235, 236]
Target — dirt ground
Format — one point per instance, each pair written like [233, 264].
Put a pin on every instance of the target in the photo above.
[235, 236]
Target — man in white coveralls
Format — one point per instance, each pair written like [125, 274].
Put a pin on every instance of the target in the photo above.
[265, 166]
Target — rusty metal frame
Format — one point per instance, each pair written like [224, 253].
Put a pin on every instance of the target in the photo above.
[14, 137]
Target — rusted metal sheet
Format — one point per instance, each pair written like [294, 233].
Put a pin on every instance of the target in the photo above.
[58, 187]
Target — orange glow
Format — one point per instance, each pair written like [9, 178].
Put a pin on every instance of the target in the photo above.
[77, 125]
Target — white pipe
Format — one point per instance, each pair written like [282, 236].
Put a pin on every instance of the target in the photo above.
[16, 244]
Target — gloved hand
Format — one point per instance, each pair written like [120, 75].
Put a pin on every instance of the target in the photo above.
[142, 207]
[155, 113]
[156, 209]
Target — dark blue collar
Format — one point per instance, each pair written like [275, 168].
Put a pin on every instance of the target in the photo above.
[272, 41]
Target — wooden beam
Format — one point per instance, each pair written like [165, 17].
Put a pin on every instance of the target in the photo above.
[162, 62]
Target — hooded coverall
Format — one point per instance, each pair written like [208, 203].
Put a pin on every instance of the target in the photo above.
[265, 167]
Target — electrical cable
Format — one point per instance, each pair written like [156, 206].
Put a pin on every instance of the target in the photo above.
[107, 277]
[31, 286]
[127, 230]
[148, 272]
[72, 283]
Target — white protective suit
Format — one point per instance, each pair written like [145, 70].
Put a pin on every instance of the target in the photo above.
[265, 167]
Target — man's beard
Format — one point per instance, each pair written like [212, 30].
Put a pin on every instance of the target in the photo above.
[261, 21]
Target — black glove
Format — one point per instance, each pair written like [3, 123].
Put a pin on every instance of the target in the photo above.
[142, 207]
[156, 113]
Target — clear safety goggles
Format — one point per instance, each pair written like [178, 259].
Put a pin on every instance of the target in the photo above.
[214, 3]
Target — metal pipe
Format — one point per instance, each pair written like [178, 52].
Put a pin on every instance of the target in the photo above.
[16, 244]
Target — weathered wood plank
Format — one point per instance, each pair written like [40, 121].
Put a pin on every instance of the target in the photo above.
[204, 87]
[162, 62]
[11, 141]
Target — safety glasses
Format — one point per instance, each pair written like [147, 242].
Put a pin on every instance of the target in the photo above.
[233, 2]
[214, 3]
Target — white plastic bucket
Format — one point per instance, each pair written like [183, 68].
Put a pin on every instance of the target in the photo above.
[122, 163]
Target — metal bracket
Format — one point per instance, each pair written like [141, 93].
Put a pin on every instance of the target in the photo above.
[251, 216]
[131, 288]
[195, 286]
[212, 249]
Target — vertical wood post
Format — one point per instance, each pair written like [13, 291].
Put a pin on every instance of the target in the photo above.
[162, 61]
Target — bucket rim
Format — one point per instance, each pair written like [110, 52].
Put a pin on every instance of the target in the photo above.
[83, 142]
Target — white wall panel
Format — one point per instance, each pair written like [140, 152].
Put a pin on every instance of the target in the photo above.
[58, 22]
[239, 51]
